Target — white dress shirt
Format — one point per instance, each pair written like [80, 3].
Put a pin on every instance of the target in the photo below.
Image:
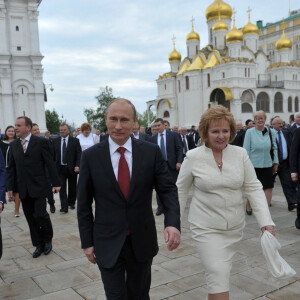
[27, 139]
[115, 155]
[61, 148]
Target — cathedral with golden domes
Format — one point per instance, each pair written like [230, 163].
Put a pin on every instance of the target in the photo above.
[246, 69]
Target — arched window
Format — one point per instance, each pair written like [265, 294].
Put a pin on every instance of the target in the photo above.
[166, 114]
[278, 103]
[263, 102]
[246, 108]
[296, 104]
[290, 104]
[187, 82]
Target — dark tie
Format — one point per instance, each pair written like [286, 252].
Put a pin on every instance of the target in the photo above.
[280, 146]
[162, 146]
[64, 154]
[184, 145]
[123, 173]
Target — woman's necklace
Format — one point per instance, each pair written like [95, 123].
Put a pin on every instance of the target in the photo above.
[220, 164]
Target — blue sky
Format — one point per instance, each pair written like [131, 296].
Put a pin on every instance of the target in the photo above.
[89, 44]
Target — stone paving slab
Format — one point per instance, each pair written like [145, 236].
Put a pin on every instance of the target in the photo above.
[66, 273]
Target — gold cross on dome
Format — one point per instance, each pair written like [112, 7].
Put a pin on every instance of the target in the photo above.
[283, 24]
[249, 11]
[192, 20]
[233, 12]
[174, 39]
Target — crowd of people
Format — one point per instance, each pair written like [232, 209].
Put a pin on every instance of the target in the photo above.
[223, 160]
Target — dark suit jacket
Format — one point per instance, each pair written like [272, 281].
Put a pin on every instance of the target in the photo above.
[29, 167]
[73, 153]
[2, 178]
[286, 135]
[239, 138]
[191, 144]
[107, 230]
[295, 152]
[104, 137]
[174, 148]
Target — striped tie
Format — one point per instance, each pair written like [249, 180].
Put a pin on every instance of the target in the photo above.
[23, 143]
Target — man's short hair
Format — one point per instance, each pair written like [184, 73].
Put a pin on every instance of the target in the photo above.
[166, 121]
[64, 124]
[248, 121]
[34, 124]
[119, 100]
[159, 120]
[292, 117]
[297, 114]
[28, 121]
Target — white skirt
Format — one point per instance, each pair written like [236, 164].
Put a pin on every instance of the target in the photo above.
[215, 248]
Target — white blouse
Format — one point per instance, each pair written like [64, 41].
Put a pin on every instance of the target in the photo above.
[86, 142]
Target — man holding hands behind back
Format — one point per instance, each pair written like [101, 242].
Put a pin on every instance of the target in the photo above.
[121, 236]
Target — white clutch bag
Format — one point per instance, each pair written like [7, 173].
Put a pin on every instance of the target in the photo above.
[277, 266]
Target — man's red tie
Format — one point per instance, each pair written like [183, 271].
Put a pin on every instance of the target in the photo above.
[123, 173]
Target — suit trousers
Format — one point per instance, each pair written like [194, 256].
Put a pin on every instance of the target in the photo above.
[38, 220]
[128, 279]
[288, 186]
[0, 240]
[298, 198]
[50, 197]
[65, 175]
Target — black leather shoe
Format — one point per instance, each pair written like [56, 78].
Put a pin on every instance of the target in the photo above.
[159, 212]
[63, 210]
[72, 206]
[249, 212]
[38, 251]
[48, 248]
[297, 223]
[52, 209]
[292, 207]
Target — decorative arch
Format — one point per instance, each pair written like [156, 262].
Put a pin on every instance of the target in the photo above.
[163, 99]
[278, 103]
[263, 102]
[247, 108]
[221, 96]
[248, 96]
[25, 83]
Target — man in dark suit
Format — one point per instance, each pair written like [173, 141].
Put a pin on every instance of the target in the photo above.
[35, 130]
[295, 169]
[28, 156]
[67, 153]
[283, 146]
[121, 237]
[2, 192]
[187, 141]
[171, 147]
[194, 134]
[295, 125]
[139, 135]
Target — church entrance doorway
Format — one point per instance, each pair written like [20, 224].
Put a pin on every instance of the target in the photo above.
[221, 96]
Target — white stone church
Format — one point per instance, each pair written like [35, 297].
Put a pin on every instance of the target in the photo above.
[21, 73]
[252, 68]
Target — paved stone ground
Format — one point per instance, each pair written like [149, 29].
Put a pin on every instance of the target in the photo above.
[66, 273]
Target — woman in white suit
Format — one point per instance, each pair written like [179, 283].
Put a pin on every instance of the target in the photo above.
[218, 173]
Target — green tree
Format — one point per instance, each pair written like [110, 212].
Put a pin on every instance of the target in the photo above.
[143, 118]
[52, 121]
[96, 116]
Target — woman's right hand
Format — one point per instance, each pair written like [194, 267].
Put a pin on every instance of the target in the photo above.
[271, 229]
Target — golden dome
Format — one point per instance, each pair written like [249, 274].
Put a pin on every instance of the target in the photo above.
[234, 35]
[220, 25]
[284, 43]
[174, 55]
[193, 36]
[213, 10]
[250, 28]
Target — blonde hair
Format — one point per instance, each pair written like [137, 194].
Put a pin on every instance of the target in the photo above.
[259, 113]
[218, 112]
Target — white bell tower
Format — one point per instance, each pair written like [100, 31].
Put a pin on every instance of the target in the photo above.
[21, 72]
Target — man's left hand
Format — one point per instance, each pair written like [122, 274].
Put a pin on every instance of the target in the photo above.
[275, 169]
[178, 165]
[76, 169]
[1, 207]
[55, 189]
[172, 237]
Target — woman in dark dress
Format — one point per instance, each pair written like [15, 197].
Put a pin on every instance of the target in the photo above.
[10, 136]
